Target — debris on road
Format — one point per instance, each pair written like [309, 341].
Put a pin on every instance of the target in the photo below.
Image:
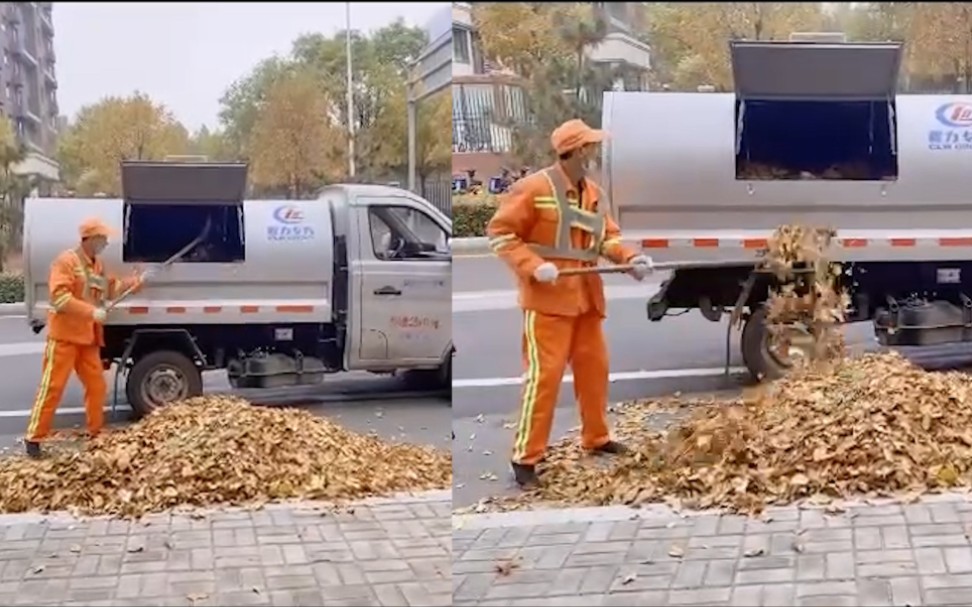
[218, 450]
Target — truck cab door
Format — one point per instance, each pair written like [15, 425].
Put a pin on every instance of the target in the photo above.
[403, 285]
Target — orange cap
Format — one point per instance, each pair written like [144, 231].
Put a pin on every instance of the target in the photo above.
[95, 227]
[574, 134]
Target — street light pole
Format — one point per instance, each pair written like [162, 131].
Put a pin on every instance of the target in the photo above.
[347, 17]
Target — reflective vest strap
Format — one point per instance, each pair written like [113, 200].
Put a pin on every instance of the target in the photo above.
[555, 253]
[91, 280]
[592, 222]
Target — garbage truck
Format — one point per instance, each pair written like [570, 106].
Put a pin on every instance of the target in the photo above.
[275, 292]
[814, 133]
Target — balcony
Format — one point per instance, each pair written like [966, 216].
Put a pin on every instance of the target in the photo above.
[621, 48]
[11, 12]
[49, 78]
[23, 111]
[20, 48]
[47, 24]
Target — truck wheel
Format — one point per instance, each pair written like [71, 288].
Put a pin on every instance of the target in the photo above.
[430, 379]
[759, 358]
[160, 378]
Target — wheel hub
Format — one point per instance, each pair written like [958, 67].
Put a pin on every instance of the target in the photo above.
[164, 385]
[790, 345]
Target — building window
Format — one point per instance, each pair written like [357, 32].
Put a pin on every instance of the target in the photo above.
[6, 58]
[460, 45]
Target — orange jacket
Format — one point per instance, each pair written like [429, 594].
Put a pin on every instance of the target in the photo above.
[78, 286]
[529, 215]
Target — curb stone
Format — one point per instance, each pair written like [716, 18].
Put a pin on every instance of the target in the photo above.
[422, 497]
[477, 244]
[17, 308]
[550, 514]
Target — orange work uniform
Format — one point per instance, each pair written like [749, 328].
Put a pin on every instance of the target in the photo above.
[78, 287]
[545, 218]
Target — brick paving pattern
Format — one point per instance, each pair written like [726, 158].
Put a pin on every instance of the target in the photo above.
[869, 555]
[380, 552]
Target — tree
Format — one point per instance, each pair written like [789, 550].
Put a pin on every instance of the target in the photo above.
[940, 42]
[521, 36]
[558, 85]
[242, 100]
[696, 36]
[293, 144]
[211, 144]
[380, 67]
[13, 189]
[116, 129]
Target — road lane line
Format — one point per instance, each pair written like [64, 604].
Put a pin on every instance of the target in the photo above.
[60, 411]
[21, 348]
[506, 299]
[493, 382]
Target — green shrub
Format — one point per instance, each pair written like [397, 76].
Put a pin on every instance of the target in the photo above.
[471, 213]
[11, 288]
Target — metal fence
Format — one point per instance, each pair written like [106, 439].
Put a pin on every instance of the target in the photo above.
[482, 114]
[438, 191]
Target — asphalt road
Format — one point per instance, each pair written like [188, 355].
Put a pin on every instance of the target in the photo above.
[680, 354]
[361, 402]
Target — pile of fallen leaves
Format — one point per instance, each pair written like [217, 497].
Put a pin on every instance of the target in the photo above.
[216, 450]
[874, 426]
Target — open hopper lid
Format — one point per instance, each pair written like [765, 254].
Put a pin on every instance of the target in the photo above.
[821, 70]
[183, 182]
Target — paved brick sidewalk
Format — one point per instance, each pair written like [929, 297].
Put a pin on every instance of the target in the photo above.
[868, 555]
[380, 552]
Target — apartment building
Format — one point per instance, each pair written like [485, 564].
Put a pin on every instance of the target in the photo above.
[28, 82]
[487, 99]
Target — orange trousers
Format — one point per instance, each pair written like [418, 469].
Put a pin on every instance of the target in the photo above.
[549, 343]
[60, 359]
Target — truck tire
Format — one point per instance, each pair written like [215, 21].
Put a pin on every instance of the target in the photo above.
[160, 378]
[430, 379]
[762, 363]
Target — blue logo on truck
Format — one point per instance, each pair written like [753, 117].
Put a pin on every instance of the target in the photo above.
[954, 129]
[290, 225]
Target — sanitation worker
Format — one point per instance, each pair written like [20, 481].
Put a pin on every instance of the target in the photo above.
[79, 290]
[552, 220]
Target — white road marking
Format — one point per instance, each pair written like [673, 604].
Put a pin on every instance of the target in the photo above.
[493, 382]
[21, 348]
[60, 411]
[505, 299]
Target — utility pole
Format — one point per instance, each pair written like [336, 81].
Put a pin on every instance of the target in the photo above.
[347, 18]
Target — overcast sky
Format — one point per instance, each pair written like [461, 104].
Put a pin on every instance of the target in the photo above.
[186, 54]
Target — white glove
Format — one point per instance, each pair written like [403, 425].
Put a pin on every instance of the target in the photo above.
[643, 266]
[148, 273]
[546, 272]
[99, 314]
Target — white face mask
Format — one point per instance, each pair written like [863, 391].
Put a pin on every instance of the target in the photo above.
[98, 248]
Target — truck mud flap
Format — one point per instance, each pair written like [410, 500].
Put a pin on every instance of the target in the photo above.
[657, 306]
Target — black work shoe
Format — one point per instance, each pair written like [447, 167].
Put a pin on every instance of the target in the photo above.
[33, 449]
[525, 475]
[612, 447]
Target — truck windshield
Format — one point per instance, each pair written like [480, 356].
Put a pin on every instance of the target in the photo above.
[851, 140]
